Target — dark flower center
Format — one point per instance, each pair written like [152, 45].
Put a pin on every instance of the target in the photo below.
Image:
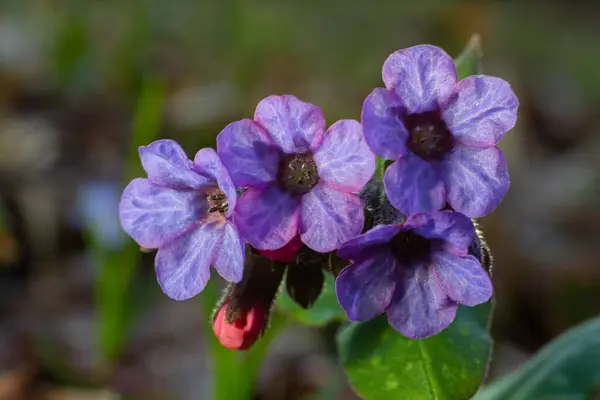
[410, 248]
[217, 202]
[428, 136]
[298, 173]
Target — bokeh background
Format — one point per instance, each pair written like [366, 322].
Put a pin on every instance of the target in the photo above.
[82, 80]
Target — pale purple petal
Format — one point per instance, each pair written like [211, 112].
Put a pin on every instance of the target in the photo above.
[153, 215]
[463, 279]
[267, 218]
[344, 160]
[423, 77]
[208, 163]
[476, 179]
[365, 288]
[379, 235]
[414, 185]
[384, 130]
[455, 229]
[167, 165]
[329, 218]
[484, 110]
[248, 152]
[420, 308]
[183, 265]
[229, 255]
[295, 126]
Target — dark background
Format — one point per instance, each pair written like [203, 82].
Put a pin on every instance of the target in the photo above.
[72, 74]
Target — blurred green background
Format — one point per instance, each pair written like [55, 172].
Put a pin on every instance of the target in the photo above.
[83, 83]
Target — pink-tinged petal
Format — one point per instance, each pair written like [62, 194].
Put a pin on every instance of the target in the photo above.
[229, 255]
[476, 179]
[344, 160]
[167, 165]
[295, 126]
[420, 308]
[287, 253]
[423, 77]
[365, 288]
[379, 235]
[463, 279]
[384, 130]
[484, 110]
[329, 218]
[208, 163]
[414, 185]
[183, 265]
[455, 229]
[153, 215]
[249, 154]
[267, 218]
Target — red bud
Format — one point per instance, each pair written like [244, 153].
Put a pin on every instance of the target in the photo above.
[242, 333]
[286, 253]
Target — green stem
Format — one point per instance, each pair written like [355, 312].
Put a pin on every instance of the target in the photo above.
[235, 372]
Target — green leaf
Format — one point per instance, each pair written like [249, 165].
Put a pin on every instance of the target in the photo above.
[380, 166]
[325, 309]
[469, 61]
[567, 368]
[383, 364]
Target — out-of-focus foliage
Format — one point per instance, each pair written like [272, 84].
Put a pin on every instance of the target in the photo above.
[566, 368]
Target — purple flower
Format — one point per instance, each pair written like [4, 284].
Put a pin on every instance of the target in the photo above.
[441, 132]
[184, 209]
[416, 273]
[299, 177]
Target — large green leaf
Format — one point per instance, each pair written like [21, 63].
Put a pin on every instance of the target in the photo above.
[567, 368]
[383, 364]
[325, 309]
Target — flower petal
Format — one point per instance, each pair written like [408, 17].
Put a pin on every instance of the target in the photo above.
[484, 110]
[379, 235]
[329, 218]
[414, 185]
[385, 132]
[208, 163]
[476, 179]
[344, 160]
[167, 165]
[248, 152]
[463, 279]
[420, 308]
[365, 288]
[183, 265]
[153, 215]
[229, 255]
[423, 77]
[295, 126]
[267, 218]
[456, 230]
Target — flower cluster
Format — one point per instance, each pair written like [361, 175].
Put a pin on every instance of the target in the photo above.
[283, 187]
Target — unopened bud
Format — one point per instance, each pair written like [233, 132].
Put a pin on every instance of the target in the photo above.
[244, 331]
[305, 279]
[285, 254]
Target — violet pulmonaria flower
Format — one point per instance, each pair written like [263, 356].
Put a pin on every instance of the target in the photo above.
[184, 209]
[299, 177]
[442, 133]
[416, 273]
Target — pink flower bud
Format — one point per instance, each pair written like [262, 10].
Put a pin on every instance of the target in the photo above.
[286, 253]
[242, 333]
